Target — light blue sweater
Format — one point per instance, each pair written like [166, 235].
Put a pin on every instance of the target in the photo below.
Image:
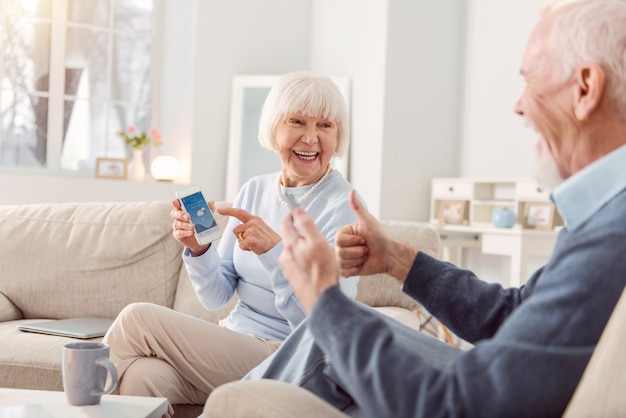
[267, 306]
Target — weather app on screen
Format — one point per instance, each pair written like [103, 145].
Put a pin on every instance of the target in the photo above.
[199, 211]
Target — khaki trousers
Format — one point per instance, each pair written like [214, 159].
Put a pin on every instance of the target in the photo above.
[164, 353]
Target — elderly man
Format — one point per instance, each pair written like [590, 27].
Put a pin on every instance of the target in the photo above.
[531, 344]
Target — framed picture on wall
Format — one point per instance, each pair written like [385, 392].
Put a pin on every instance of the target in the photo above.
[452, 212]
[111, 168]
[539, 215]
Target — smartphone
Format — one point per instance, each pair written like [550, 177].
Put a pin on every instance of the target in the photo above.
[194, 203]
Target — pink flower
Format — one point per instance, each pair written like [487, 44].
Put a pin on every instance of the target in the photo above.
[156, 136]
[138, 139]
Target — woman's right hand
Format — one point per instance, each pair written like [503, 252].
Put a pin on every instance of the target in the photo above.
[182, 229]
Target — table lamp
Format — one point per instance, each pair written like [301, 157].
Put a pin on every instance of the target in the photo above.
[164, 168]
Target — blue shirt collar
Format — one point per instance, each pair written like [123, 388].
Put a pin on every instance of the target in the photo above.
[582, 194]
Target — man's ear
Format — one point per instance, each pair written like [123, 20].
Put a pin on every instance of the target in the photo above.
[590, 83]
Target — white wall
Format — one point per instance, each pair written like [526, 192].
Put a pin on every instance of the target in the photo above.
[174, 82]
[495, 141]
[406, 85]
[424, 69]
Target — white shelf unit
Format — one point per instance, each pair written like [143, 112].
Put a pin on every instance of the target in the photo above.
[482, 196]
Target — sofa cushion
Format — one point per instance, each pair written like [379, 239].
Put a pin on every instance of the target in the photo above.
[8, 310]
[87, 259]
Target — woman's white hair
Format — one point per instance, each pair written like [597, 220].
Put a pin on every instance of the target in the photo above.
[309, 94]
[591, 31]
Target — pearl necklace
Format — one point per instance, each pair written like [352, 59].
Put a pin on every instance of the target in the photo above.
[302, 198]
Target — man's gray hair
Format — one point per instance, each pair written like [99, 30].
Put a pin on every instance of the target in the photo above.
[591, 31]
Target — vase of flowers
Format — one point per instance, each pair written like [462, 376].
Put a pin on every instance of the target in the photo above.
[136, 166]
[137, 140]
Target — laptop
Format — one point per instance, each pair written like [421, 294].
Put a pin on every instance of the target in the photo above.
[85, 327]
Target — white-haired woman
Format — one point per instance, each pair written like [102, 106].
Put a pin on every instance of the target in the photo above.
[161, 352]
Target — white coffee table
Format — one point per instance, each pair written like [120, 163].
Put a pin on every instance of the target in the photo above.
[21, 403]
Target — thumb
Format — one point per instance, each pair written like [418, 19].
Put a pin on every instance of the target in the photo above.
[359, 210]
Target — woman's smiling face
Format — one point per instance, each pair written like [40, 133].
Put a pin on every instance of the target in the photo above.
[305, 146]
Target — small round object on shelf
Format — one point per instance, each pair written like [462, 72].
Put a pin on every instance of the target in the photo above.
[503, 218]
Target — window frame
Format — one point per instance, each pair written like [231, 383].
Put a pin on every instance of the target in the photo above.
[56, 88]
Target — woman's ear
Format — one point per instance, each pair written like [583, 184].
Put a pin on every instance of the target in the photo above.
[590, 84]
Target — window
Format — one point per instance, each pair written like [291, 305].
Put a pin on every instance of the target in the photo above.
[72, 74]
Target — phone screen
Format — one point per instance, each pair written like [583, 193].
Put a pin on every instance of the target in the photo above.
[199, 211]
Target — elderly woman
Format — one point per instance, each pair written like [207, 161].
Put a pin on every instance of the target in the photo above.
[161, 352]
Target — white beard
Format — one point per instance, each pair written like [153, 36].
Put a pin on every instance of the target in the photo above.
[544, 169]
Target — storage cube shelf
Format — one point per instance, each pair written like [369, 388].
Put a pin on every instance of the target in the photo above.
[480, 197]
[461, 209]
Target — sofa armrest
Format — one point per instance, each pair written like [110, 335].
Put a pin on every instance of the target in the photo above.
[8, 310]
[600, 392]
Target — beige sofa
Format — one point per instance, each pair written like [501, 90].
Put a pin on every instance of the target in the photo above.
[92, 259]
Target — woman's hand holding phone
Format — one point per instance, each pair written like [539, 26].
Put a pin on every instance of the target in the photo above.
[183, 230]
[198, 215]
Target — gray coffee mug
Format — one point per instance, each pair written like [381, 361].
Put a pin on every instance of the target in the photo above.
[85, 367]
